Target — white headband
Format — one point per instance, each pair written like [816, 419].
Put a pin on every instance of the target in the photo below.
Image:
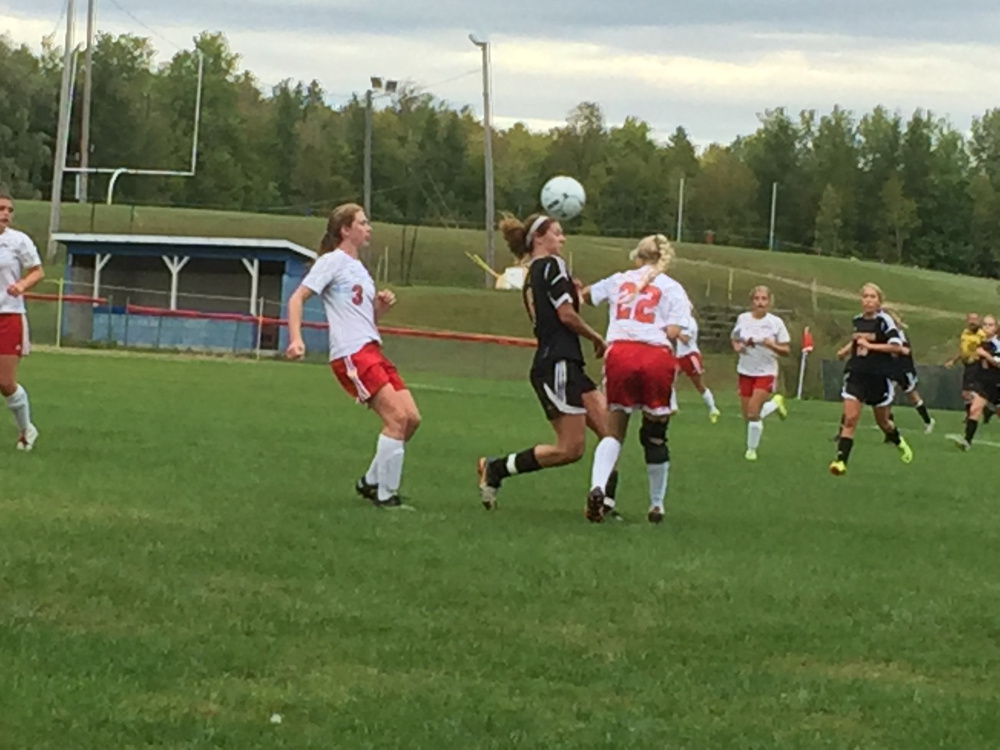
[530, 237]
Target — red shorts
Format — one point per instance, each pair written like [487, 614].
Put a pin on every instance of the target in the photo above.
[13, 335]
[690, 364]
[639, 376]
[750, 383]
[366, 372]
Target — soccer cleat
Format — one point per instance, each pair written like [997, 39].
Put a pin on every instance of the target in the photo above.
[750, 455]
[779, 402]
[655, 514]
[594, 511]
[611, 512]
[838, 468]
[961, 443]
[26, 440]
[905, 452]
[929, 428]
[366, 491]
[487, 490]
[713, 416]
[389, 502]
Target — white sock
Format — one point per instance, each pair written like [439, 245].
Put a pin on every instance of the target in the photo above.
[18, 404]
[768, 409]
[709, 399]
[658, 474]
[754, 431]
[390, 466]
[371, 476]
[605, 458]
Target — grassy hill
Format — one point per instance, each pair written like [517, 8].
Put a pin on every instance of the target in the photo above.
[447, 288]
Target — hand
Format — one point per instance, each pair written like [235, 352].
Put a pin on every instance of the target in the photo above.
[862, 347]
[15, 289]
[769, 343]
[579, 285]
[739, 347]
[949, 364]
[296, 349]
[384, 300]
[749, 343]
[600, 347]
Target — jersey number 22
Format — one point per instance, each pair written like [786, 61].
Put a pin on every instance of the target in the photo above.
[639, 306]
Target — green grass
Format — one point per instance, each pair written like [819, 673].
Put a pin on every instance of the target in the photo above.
[183, 556]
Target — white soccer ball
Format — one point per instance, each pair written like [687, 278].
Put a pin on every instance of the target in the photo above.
[563, 198]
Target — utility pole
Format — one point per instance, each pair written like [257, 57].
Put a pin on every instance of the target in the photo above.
[774, 214]
[488, 158]
[62, 132]
[368, 154]
[88, 90]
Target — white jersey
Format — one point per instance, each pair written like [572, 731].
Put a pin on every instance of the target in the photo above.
[757, 360]
[641, 317]
[689, 329]
[348, 294]
[17, 254]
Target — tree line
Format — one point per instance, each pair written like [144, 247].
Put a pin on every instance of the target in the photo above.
[881, 185]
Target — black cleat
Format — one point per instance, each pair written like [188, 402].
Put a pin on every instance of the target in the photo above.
[365, 490]
[594, 511]
[610, 512]
[392, 502]
[655, 514]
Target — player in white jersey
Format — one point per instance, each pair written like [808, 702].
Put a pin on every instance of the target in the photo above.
[646, 311]
[353, 308]
[20, 270]
[759, 337]
[689, 362]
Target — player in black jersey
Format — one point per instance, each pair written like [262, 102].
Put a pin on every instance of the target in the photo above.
[905, 374]
[985, 383]
[868, 376]
[569, 398]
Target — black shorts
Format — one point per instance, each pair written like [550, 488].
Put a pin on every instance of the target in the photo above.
[970, 375]
[988, 388]
[905, 376]
[868, 388]
[561, 386]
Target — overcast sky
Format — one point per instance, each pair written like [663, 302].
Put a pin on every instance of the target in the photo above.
[709, 65]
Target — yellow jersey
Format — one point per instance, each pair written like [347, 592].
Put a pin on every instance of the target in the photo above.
[968, 342]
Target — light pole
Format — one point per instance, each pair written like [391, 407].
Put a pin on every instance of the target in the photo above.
[62, 134]
[488, 155]
[88, 90]
[774, 214]
[389, 87]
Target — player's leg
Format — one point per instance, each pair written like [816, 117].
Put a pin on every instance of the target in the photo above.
[400, 420]
[706, 394]
[883, 417]
[755, 425]
[653, 437]
[17, 402]
[610, 428]
[776, 403]
[850, 415]
[976, 410]
[921, 408]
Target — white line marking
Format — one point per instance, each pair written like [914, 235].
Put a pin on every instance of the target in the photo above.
[959, 438]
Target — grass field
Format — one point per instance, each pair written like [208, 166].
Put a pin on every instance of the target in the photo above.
[183, 557]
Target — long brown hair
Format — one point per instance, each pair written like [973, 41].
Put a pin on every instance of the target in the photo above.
[515, 232]
[341, 217]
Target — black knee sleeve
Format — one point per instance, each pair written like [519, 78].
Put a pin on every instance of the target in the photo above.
[653, 437]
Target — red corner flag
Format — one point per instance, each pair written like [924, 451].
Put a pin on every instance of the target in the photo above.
[807, 340]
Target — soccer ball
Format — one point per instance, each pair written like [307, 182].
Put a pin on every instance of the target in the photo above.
[563, 198]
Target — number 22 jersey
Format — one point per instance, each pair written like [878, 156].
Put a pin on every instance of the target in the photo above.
[641, 316]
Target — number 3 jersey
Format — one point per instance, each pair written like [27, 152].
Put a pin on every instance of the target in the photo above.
[642, 316]
[348, 293]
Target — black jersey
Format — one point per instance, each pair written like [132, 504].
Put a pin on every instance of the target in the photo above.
[878, 329]
[547, 287]
[906, 358]
[990, 375]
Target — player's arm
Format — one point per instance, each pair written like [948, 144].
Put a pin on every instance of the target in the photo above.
[951, 362]
[844, 351]
[296, 347]
[28, 255]
[987, 356]
[781, 349]
[736, 339]
[570, 318]
[383, 301]
[596, 293]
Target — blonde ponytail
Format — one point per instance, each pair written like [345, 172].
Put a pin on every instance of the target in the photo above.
[657, 252]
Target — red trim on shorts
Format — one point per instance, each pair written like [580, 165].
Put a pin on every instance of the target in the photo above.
[691, 364]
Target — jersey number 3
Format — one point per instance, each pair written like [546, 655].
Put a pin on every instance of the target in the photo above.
[639, 306]
[357, 294]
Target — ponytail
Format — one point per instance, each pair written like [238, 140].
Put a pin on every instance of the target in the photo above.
[520, 235]
[340, 219]
[658, 253]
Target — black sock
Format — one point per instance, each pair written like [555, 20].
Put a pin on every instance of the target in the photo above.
[987, 416]
[611, 488]
[968, 408]
[894, 436]
[971, 425]
[524, 463]
[844, 445]
[922, 411]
